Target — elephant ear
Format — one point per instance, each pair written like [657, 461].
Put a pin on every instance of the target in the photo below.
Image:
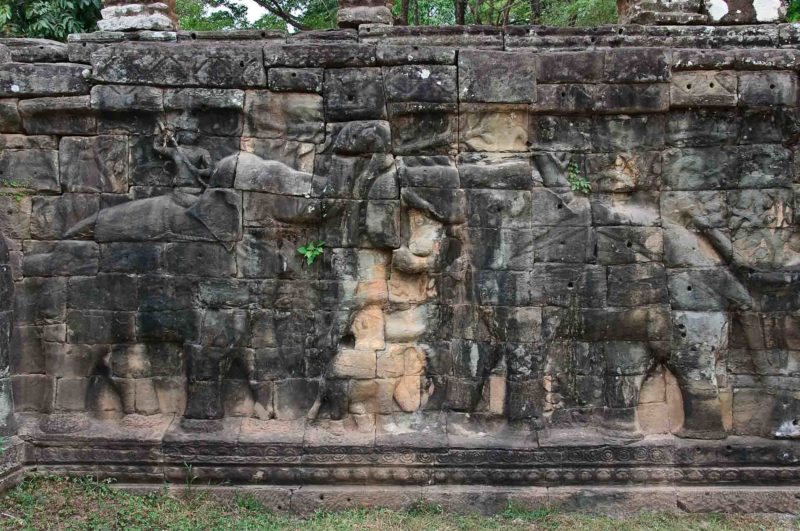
[220, 211]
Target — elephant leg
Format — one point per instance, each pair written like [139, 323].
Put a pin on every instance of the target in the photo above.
[702, 410]
[206, 367]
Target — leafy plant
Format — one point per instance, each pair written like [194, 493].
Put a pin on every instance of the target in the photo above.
[577, 183]
[18, 189]
[48, 19]
[793, 14]
[311, 251]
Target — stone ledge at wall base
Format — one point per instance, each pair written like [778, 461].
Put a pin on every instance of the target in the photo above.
[249, 452]
[747, 476]
[307, 500]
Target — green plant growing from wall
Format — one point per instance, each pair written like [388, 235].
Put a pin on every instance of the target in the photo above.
[577, 182]
[311, 251]
[18, 190]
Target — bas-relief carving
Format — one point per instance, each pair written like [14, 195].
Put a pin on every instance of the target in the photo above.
[473, 286]
[553, 377]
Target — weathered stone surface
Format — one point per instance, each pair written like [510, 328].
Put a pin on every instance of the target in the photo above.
[121, 98]
[626, 98]
[10, 121]
[767, 88]
[94, 164]
[35, 50]
[292, 116]
[54, 258]
[704, 89]
[389, 55]
[492, 77]
[423, 83]
[493, 127]
[42, 79]
[188, 65]
[30, 161]
[64, 116]
[354, 94]
[295, 80]
[438, 123]
[52, 217]
[636, 65]
[328, 55]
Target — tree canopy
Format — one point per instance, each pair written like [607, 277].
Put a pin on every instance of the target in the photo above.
[48, 19]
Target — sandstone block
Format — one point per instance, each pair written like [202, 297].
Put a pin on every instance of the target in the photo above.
[636, 65]
[30, 161]
[707, 88]
[626, 98]
[436, 171]
[94, 164]
[489, 76]
[327, 55]
[424, 128]
[184, 64]
[423, 83]
[100, 326]
[42, 79]
[570, 67]
[63, 115]
[49, 258]
[293, 116]
[493, 128]
[122, 98]
[40, 301]
[395, 55]
[10, 121]
[295, 80]
[354, 94]
[621, 245]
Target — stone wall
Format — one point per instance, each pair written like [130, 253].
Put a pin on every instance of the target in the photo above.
[469, 299]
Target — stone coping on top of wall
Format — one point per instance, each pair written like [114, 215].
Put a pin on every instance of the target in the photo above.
[544, 38]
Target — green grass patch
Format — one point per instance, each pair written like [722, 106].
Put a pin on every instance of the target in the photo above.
[84, 503]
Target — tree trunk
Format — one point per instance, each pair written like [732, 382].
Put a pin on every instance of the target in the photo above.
[404, 6]
[416, 12]
[536, 11]
[461, 11]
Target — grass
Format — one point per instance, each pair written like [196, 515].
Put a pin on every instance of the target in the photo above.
[60, 503]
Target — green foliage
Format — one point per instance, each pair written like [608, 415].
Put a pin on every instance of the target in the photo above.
[514, 512]
[511, 12]
[579, 12]
[217, 15]
[48, 19]
[422, 507]
[311, 251]
[793, 14]
[577, 183]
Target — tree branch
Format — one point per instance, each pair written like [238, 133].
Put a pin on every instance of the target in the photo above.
[275, 8]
